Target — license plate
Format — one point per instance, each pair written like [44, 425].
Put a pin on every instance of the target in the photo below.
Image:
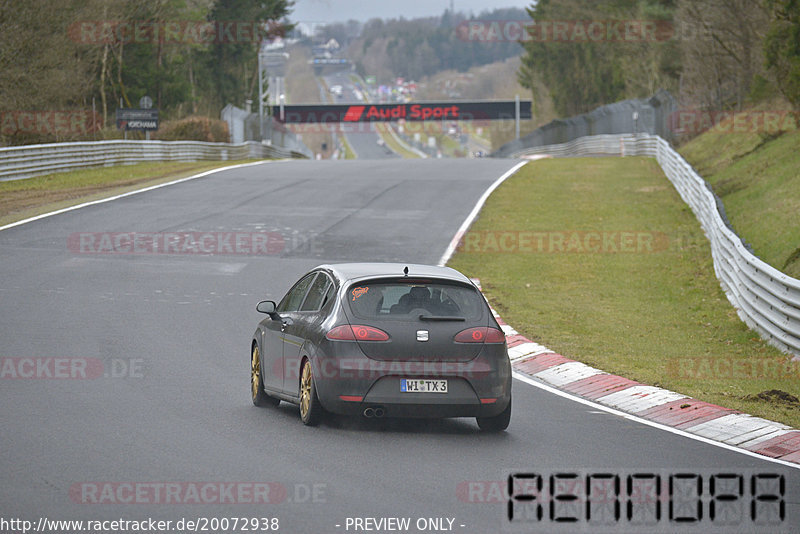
[413, 385]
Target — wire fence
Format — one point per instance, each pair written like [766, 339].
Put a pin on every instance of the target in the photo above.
[651, 115]
[246, 126]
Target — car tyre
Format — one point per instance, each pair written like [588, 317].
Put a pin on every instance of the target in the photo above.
[496, 423]
[260, 398]
[310, 407]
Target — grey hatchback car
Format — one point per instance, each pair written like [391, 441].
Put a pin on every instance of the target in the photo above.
[383, 340]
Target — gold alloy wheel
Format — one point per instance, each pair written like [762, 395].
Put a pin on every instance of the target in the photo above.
[255, 372]
[305, 390]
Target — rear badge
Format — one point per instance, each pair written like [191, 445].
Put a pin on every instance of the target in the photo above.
[422, 335]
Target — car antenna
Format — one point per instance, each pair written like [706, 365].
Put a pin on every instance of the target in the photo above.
[405, 271]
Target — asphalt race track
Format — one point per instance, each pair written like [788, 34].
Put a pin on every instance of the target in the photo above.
[164, 343]
[362, 136]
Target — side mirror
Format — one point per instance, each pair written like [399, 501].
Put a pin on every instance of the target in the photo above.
[267, 306]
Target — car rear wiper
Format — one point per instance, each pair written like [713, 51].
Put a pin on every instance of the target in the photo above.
[423, 317]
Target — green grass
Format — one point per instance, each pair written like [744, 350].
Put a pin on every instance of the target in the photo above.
[654, 313]
[449, 146]
[756, 175]
[20, 199]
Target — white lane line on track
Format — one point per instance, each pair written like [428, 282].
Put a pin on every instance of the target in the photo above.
[528, 380]
[523, 378]
[451, 248]
[129, 193]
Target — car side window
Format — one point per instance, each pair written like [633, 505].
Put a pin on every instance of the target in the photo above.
[329, 295]
[316, 293]
[293, 299]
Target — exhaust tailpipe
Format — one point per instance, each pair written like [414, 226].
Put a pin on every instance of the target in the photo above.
[374, 411]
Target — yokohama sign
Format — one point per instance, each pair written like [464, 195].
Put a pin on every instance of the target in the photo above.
[415, 111]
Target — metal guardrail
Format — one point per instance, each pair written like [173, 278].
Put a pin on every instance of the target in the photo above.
[767, 300]
[34, 160]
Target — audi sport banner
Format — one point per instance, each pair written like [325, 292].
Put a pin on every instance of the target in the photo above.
[414, 111]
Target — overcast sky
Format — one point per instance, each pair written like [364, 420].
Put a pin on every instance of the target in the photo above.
[343, 10]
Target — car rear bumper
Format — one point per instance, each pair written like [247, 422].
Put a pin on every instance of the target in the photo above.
[419, 408]
[478, 388]
[419, 411]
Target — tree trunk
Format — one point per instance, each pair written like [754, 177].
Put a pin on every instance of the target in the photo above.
[103, 67]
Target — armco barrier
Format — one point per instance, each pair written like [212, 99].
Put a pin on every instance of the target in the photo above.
[765, 298]
[33, 160]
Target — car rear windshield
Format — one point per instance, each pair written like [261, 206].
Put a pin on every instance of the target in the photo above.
[404, 299]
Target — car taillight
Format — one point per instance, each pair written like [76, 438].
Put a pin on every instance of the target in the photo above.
[356, 332]
[480, 334]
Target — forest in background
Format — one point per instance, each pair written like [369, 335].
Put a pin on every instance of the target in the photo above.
[415, 48]
[711, 54]
[192, 57]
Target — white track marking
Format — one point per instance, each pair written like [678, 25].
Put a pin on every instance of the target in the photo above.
[528, 380]
[451, 248]
[129, 193]
[637, 399]
[567, 373]
[758, 430]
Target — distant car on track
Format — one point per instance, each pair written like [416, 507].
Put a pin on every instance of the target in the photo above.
[383, 340]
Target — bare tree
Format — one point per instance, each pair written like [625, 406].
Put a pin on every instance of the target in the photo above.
[42, 68]
[721, 44]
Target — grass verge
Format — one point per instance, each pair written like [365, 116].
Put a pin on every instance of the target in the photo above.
[21, 199]
[349, 153]
[600, 260]
[755, 174]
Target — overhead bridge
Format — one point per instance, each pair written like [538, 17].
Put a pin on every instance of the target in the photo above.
[412, 111]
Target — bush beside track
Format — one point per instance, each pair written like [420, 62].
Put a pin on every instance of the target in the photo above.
[600, 260]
